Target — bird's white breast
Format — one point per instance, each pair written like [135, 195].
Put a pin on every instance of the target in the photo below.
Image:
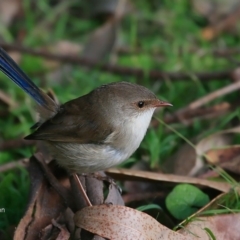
[84, 158]
[135, 131]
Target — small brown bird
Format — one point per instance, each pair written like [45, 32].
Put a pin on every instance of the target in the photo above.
[93, 132]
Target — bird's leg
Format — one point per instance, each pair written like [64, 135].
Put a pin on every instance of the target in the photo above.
[82, 190]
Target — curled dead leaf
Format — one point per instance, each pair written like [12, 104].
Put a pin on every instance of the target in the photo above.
[217, 150]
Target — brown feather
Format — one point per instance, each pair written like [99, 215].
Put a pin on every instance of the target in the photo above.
[75, 122]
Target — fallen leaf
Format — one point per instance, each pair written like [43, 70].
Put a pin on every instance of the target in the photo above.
[114, 196]
[119, 222]
[222, 227]
[220, 155]
[134, 175]
[45, 205]
[217, 140]
[193, 156]
[228, 157]
[216, 150]
[55, 231]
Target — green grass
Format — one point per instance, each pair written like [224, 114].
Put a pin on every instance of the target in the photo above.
[169, 30]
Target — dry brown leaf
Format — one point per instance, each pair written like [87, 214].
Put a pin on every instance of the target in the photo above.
[55, 231]
[216, 140]
[188, 161]
[53, 202]
[119, 222]
[220, 155]
[227, 157]
[64, 233]
[221, 226]
[45, 205]
[114, 196]
[216, 149]
[135, 175]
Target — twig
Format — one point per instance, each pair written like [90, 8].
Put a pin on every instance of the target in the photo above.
[14, 164]
[6, 99]
[153, 74]
[211, 96]
[200, 113]
[18, 143]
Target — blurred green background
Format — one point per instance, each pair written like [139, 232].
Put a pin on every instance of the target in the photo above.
[169, 36]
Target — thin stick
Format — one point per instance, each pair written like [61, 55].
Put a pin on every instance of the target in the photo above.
[137, 72]
[16, 143]
[82, 190]
[201, 113]
[210, 97]
[7, 99]
[216, 94]
[14, 164]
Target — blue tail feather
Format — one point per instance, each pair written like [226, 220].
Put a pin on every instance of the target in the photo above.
[11, 69]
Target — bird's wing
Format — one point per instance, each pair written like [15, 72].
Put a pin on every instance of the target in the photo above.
[74, 123]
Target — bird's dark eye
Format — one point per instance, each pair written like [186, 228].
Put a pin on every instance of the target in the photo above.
[141, 104]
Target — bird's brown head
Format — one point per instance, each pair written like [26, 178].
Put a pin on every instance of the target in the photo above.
[127, 99]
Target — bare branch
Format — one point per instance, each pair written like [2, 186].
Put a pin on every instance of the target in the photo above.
[137, 72]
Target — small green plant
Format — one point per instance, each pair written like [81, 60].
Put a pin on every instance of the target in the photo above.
[184, 200]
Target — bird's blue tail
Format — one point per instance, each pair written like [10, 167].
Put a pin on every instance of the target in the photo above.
[13, 71]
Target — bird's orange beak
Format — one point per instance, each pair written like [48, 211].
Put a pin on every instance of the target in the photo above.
[160, 103]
